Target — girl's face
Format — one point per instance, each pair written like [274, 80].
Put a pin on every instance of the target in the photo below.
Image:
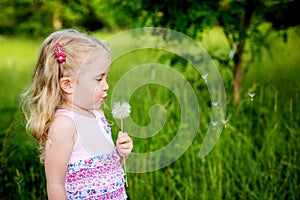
[91, 85]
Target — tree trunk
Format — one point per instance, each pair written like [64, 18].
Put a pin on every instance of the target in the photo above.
[238, 57]
[56, 21]
[238, 77]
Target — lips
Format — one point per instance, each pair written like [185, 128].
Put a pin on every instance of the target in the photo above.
[103, 98]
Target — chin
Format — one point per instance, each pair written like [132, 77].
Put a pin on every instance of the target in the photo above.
[97, 107]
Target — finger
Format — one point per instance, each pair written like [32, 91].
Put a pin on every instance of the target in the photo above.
[125, 146]
[124, 139]
[126, 143]
[124, 153]
[122, 134]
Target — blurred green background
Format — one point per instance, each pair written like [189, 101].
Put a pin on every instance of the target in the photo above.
[255, 44]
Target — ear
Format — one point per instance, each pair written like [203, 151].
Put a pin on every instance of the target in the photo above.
[67, 84]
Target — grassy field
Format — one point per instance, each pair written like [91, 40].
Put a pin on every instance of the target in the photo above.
[256, 157]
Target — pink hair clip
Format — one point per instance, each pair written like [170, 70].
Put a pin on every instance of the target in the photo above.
[60, 55]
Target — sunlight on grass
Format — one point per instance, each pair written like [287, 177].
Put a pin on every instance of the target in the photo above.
[18, 52]
[17, 60]
[281, 68]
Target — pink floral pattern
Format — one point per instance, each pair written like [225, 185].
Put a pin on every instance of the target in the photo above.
[107, 126]
[100, 177]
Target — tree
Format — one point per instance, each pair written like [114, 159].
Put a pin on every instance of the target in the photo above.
[240, 20]
[39, 18]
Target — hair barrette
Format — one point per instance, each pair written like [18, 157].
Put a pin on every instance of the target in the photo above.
[60, 55]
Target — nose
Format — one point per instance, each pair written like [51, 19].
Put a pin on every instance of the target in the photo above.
[106, 86]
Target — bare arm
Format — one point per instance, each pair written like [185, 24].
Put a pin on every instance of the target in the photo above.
[57, 155]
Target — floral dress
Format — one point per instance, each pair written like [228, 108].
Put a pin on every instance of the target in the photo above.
[94, 170]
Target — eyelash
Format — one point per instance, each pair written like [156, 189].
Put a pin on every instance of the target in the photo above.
[101, 77]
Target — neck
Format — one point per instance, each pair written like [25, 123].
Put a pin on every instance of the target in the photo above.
[79, 110]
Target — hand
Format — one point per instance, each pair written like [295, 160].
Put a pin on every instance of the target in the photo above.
[124, 144]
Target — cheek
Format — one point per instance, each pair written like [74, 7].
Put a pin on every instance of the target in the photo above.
[84, 90]
[98, 89]
[84, 94]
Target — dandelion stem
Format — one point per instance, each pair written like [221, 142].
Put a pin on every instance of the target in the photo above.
[124, 158]
[122, 129]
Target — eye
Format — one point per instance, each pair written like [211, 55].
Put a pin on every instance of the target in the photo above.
[100, 78]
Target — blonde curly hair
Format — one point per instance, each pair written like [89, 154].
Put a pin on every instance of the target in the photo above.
[44, 95]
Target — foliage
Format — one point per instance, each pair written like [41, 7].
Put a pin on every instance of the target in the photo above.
[39, 18]
[25, 17]
[241, 22]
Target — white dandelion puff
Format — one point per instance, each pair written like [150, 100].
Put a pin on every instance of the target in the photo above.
[121, 110]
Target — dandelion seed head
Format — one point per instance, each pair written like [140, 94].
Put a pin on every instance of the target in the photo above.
[121, 110]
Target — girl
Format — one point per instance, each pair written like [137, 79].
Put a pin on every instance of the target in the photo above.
[62, 112]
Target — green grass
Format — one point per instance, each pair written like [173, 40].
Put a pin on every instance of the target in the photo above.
[256, 157]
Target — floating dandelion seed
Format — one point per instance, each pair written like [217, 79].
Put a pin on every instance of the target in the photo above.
[231, 53]
[121, 111]
[205, 77]
[225, 122]
[251, 96]
[214, 124]
[216, 104]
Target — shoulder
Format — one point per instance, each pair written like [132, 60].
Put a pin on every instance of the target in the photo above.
[58, 150]
[62, 127]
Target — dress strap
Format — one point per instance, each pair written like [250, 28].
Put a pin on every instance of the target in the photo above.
[97, 113]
